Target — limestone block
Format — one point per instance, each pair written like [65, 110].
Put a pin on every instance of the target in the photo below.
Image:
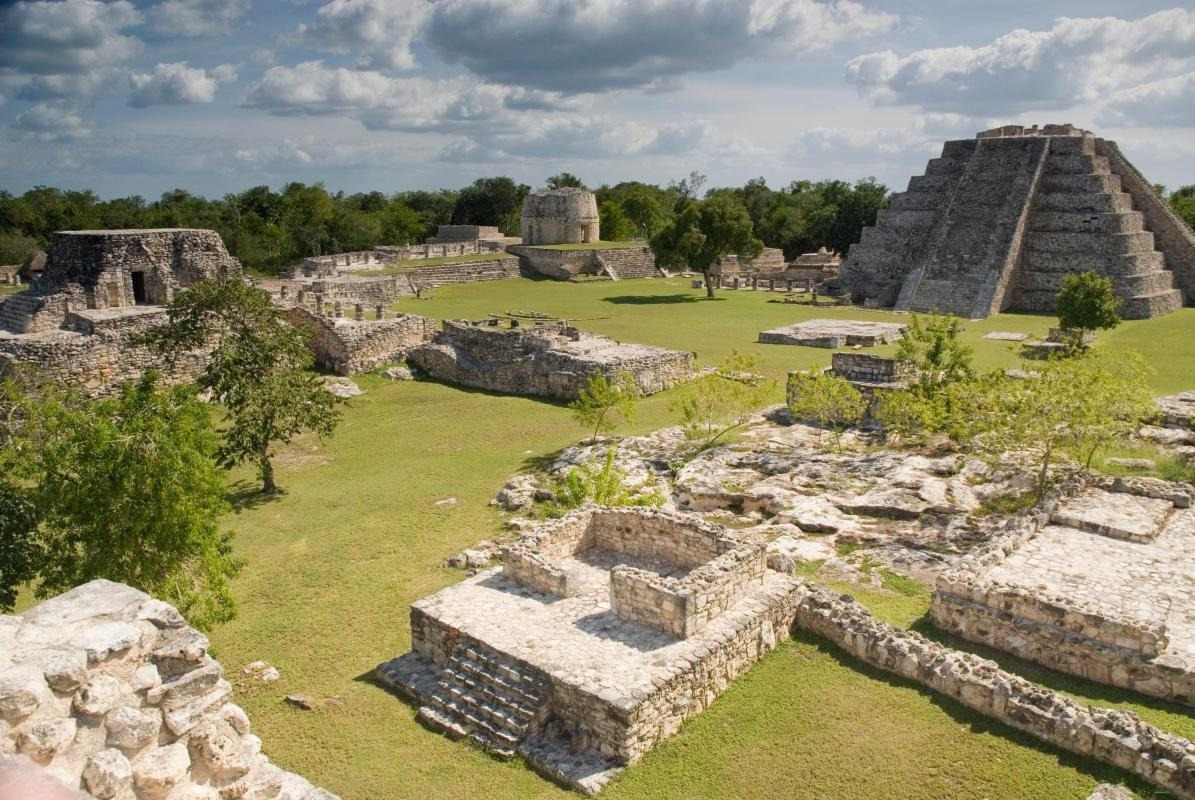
[43, 740]
[98, 695]
[22, 690]
[107, 774]
[132, 728]
[157, 771]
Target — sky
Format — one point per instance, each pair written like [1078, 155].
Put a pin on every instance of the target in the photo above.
[217, 96]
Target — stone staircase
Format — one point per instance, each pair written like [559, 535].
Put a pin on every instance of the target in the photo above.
[629, 263]
[487, 697]
[972, 247]
[1082, 220]
[464, 272]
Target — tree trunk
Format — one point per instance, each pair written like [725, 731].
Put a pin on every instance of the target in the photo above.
[709, 285]
[1045, 471]
[267, 471]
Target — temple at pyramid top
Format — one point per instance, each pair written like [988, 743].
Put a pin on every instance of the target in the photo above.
[997, 221]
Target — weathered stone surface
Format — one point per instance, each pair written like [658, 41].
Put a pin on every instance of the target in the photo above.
[1108, 791]
[399, 374]
[551, 359]
[348, 347]
[107, 774]
[831, 333]
[560, 216]
[343, 388]
[111, 725]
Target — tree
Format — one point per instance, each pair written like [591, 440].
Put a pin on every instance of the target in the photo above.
[615, 224]
[1061, 406]
[933, 347]
[826, 398]
[1086, 303]
[260, 370]
[702, 233]
[123, 488]
[16, 247]
[718, 402]
[1182, 200]
[491, 201]
[563, 180]
[601, 399]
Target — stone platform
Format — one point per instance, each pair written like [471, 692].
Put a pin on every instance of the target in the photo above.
[1102, 588]
[585, 679]
[831, 333]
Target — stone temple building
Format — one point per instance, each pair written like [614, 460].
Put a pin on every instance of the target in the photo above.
[79, 319]
[560, 216]
[998, 221]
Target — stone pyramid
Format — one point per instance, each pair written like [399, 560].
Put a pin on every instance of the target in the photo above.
[998, 221]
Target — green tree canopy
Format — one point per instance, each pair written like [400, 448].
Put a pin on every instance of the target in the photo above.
[260, 370]
[123, 488]
[1086, 302]
[702, 233]
[565, 180]
[602, 399]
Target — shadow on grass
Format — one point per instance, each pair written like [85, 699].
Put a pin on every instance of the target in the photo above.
[1080, 688]
[657, 299]
[978, 723]
[247, 495]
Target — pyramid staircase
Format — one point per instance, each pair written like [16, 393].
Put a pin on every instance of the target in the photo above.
[1081, 220]
[629, 263]
[487, 697]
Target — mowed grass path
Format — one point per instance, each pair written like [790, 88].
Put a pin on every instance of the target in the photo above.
[333, 566]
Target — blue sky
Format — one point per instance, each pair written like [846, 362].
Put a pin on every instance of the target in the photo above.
[219, 95]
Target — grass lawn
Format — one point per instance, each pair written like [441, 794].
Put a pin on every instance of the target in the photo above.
[590, 246]
[412, 264]
[6, 288]
[333, 565]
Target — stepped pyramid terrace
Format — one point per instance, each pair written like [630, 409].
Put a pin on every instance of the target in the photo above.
[998, 221]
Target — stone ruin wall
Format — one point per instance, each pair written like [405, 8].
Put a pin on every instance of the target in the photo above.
[1091, 643]
[769, 261]
[866, 368]
[110, 692]
[560, 216]
[446, 234]
[348, 347]
[96, 355]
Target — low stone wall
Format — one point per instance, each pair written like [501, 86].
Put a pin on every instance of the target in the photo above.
[416, 252]
[1116, 737]
[535, 559]
[558, 264]
[651, 533]
[769, 261]
[348, 347]
[112, 693]
[465, 272]
[865, 368]
[99, 352]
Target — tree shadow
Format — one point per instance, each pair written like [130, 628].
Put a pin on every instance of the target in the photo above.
[978, 723]
[247, 495]
[657, 299]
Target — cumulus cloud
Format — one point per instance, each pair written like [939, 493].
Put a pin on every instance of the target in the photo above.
[1077, 60]
[1169, 102]
[381, 102]
[579, 138]
[197, 17]
[379, 32]
[599, 45]
[177, 84]
[65, 49]
[51, 123]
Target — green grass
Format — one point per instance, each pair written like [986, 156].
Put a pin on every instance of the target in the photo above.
[6, 288]
[590, 246]
[333, 565]
[410, 265]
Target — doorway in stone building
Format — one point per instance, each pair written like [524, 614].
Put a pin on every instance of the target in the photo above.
[139, 288]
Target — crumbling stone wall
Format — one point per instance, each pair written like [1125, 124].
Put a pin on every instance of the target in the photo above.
[769, 261]
[552, 360]
[348, 346]
[97, 351]
[112, 693]
[560, 216]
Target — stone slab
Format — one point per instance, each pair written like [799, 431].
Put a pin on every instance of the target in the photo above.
[1006, 336]
[1178, 410]
[831, 333]
[1118, 515]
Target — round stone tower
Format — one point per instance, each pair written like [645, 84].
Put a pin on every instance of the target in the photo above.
[560, 216]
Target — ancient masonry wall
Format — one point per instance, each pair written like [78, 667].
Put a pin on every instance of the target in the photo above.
[1092, 643]
[96, 354]
[112, 693]
[866, 368]
[560, 216]
[348, 346]
[769, 261]
[558, 264]
[625, 263]
[1115, 737]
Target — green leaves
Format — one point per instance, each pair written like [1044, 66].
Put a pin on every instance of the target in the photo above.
[601, 399]
[123, 488]
[827, 399]
[932, 345]
[705, 231]
[720, 401]
[1086, 302]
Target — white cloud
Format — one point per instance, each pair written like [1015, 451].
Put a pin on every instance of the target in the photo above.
[197, 17]
[579, 137]
[177, 84]
[51, 123]
[599, 45]
[378, 31]
[1076, 61]
[1169, 102]
[65, 49]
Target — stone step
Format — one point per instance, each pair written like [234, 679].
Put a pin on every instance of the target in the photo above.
[1080, 183]
[1062, 164]
[917, 201]
[1143, 283]
[1072, 145]
[945, 166]
[932, 183]
[1092, 202]
[516, 691]
[1108, 244]
[910, 221]
[1149, 306]
[498, 715]
[1105, 264]
[494, 662]
[468, 718]
[1087, 222]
